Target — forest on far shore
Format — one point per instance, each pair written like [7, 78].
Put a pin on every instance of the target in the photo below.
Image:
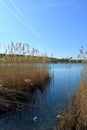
[39, 59]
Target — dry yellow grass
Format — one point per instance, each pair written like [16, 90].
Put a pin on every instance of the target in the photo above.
[75, 117]
[21, 75]
[18, 67]
[17, 80]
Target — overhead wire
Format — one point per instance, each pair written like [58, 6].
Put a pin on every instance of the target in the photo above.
[19, 11]
[21, 18]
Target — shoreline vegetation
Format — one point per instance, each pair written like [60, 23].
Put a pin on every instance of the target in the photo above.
[74, 117]
[22, 53]
[20, 75]
[37, 59]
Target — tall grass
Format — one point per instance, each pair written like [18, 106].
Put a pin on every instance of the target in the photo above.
[22, 75]
[75, 116]
[19, 71]
[19, 68]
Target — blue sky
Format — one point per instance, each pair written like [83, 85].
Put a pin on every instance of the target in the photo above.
[58, 27]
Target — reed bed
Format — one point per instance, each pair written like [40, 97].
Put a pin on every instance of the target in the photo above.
[19, 66]
[19, 74]
[22, 75]
[75, 116]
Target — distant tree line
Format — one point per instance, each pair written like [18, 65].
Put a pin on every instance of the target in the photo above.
[64, 60]
[47, 59]
[18, 52]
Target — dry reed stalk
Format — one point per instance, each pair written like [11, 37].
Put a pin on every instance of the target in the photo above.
[14, 75]
[75, 118]
[16, 66]
[19, 74]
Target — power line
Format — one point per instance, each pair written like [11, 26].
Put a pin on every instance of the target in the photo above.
[22, 19]
[25, 20]
[19, 11]
[13, 13]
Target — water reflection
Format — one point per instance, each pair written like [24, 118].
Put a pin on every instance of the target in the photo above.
[46, 102]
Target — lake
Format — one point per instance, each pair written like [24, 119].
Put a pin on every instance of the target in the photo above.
[48, 102]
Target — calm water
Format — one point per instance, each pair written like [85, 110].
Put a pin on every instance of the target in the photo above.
[46, 103]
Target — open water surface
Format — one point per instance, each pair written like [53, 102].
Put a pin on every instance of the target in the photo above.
[46, 103]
